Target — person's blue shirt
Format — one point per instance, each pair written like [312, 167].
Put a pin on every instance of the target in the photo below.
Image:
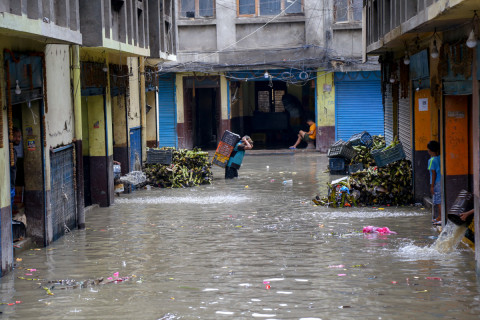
[434, 165]
[237, 157]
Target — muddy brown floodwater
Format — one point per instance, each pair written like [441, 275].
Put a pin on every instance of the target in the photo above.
[243, 249]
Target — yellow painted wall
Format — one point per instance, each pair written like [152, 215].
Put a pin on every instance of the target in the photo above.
[119, 121]
[325, 100]
[85, 128]
[108, 102]
[95, 104]
[224, 83]
[134, 108]
[96, 126]
[180, 100]
[152, 117]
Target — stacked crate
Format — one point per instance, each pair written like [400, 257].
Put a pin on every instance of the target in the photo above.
[225, 148]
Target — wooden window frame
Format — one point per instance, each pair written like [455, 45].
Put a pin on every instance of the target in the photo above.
[263, 86]
[257, 9]
[350, 13]
[197, 10]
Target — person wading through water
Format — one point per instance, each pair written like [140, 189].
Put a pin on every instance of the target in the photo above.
[236, 158]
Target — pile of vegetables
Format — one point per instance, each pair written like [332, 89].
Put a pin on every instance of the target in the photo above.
[364, 155]
[389, 185]
[189, 168]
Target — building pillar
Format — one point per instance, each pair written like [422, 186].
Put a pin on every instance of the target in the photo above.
[325, 105]
[476, 157]
[6, 241]
[143, 111]
[77, 109]
[225, 106]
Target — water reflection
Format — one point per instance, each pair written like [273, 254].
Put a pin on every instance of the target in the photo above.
[226, 251]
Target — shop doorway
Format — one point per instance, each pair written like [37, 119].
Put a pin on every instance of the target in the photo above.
[25, 78]
[276, 114]
[202, 112]
[95, 141]
[457, 153]
[206, 118]
[29, 201]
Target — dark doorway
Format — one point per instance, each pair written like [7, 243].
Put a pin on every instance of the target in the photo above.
[206, 118]
[202, 113]
[271, 119]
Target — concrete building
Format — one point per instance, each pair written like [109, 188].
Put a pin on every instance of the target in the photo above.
[78, 108]
[261, 68]
[117, 36]
[430, 57]
[35, 39]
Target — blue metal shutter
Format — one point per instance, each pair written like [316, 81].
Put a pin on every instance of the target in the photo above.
[358, 107]
[167, 113]
[136, 149]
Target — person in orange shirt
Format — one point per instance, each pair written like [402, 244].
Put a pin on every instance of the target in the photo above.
[306, 136]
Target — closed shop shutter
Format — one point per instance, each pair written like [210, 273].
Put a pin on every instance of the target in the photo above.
[405, 125]
[63, 200]
[167, 115]
[358, 104]
[389, 115]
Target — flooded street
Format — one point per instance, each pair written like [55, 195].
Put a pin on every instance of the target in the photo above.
[248, 248]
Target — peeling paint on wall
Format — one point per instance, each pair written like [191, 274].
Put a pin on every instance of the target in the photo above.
[325, 99]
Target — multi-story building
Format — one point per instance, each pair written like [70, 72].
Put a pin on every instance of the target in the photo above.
[262, 67]
[78, 108]
[430, 75]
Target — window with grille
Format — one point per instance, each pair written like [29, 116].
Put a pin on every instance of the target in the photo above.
[268, 7]
[269, 98]
[348, 10]
[197, 8]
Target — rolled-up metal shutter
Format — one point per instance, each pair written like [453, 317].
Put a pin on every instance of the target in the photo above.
[405, 125]
[358, 104]
[167, 113]
[388, 124]
[63, 196]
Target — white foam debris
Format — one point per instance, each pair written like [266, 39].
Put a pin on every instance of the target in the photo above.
[183, 200]
[225, 312]
[411, 252]
[368, 214]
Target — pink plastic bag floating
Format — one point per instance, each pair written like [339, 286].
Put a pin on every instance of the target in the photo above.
[372, 229]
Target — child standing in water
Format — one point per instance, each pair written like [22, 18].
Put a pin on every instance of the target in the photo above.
[236, 158]
[435, 178]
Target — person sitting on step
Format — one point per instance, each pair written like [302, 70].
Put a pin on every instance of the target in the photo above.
[308, 137]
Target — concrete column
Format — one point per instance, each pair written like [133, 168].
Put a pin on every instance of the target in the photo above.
[225, 107]
[6, 243]
[143, 111]
[476, 159]
[225, 17]
[325, 111]
[77, 110]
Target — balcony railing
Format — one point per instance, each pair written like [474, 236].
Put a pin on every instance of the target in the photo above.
[383, 16]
